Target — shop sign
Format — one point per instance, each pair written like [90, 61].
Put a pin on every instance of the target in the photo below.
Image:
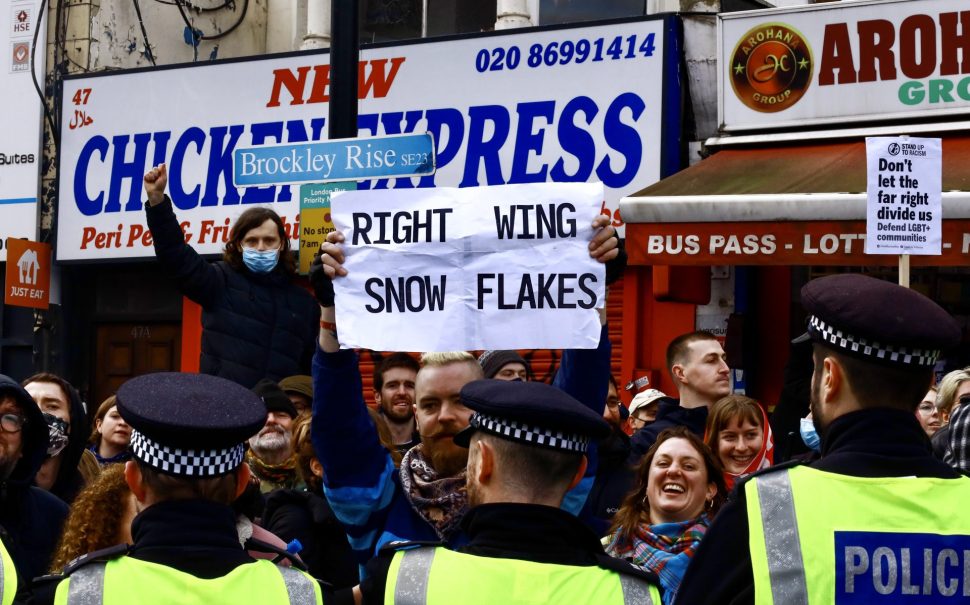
[844, 62]
[20, 125]
[778, 243]
[584, 104]
[28, 276]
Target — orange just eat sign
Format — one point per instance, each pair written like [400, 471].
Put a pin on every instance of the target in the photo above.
[28, 281]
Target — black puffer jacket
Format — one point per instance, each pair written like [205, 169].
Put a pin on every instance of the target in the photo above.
[31, 516]
[307, 517]
[253, 326]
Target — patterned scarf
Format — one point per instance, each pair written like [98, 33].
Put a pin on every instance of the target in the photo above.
[122, 457]
[272, 476]
[441, 501]
[664, 548]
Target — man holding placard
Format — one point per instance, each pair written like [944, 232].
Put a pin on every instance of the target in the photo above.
[378, 503]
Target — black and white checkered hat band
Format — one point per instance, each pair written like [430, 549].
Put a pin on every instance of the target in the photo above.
[522, 432]
[185, 462]
[870, 348]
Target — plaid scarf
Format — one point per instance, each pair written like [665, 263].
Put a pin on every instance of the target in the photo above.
[441, 501]
[958, 452]
[664, 548]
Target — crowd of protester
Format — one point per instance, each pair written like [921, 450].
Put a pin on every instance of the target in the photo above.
[463, 452]
[657, 523]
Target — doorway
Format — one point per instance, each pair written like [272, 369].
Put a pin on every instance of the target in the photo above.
[126, 350]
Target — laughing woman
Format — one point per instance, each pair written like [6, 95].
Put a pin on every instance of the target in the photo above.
[679, 490]
[739, 435]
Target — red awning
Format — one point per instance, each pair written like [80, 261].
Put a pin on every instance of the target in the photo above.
[781, 204]
[807, 168]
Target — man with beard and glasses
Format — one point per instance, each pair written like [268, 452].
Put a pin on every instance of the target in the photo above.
[877, 519]
[526, 444]
[394, 393]
[31, 517]
[425, 498]
[270, 456]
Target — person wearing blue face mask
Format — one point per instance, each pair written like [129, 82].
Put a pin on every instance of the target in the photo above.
[809, 434]
[256, 323]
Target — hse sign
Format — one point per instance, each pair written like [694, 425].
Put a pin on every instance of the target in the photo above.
[778, 243]
[21, 123]
[28, 277]
[572, 104]
[844, 62]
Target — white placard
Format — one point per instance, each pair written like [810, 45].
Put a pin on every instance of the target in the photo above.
[566, 104]
[504, 267]
[904, 209]
[20, 121]
[843, 62]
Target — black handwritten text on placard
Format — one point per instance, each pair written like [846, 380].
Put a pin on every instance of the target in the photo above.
[535, 221]
[401, 227]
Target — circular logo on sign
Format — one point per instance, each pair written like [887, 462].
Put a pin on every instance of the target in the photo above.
[771, 67]
[894, 149]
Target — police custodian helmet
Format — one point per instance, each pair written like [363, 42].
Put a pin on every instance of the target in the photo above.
[189, 425]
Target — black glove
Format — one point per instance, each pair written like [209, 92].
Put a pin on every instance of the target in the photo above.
[322, 285]
[615, 267]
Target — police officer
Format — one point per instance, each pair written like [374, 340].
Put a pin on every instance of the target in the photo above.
[526, 443]
[187, 440]
[877, 519]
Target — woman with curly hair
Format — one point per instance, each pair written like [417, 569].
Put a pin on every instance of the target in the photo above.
[99, 517]
[679, 489]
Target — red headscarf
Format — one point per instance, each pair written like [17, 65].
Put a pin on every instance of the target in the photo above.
[764, 458]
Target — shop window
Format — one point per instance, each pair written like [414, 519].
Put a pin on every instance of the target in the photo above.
[390, 20]
[571, 11]
[460, 16]
[387, 20]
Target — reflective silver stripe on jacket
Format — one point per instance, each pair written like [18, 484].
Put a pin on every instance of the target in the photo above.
[786, 569]
[635, 591]
[299, 586]
[87, 585]
[411, 587]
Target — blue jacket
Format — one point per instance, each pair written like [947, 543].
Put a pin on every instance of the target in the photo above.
[253, 326]
[360, 480]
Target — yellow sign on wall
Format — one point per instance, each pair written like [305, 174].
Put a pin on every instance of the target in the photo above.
[315, 221]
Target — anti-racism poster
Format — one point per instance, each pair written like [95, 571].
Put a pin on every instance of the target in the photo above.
[505, 267]
[573, 104]
[904, 213]
[21, 115]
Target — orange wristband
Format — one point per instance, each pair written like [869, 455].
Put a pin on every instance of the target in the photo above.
[328, 325]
